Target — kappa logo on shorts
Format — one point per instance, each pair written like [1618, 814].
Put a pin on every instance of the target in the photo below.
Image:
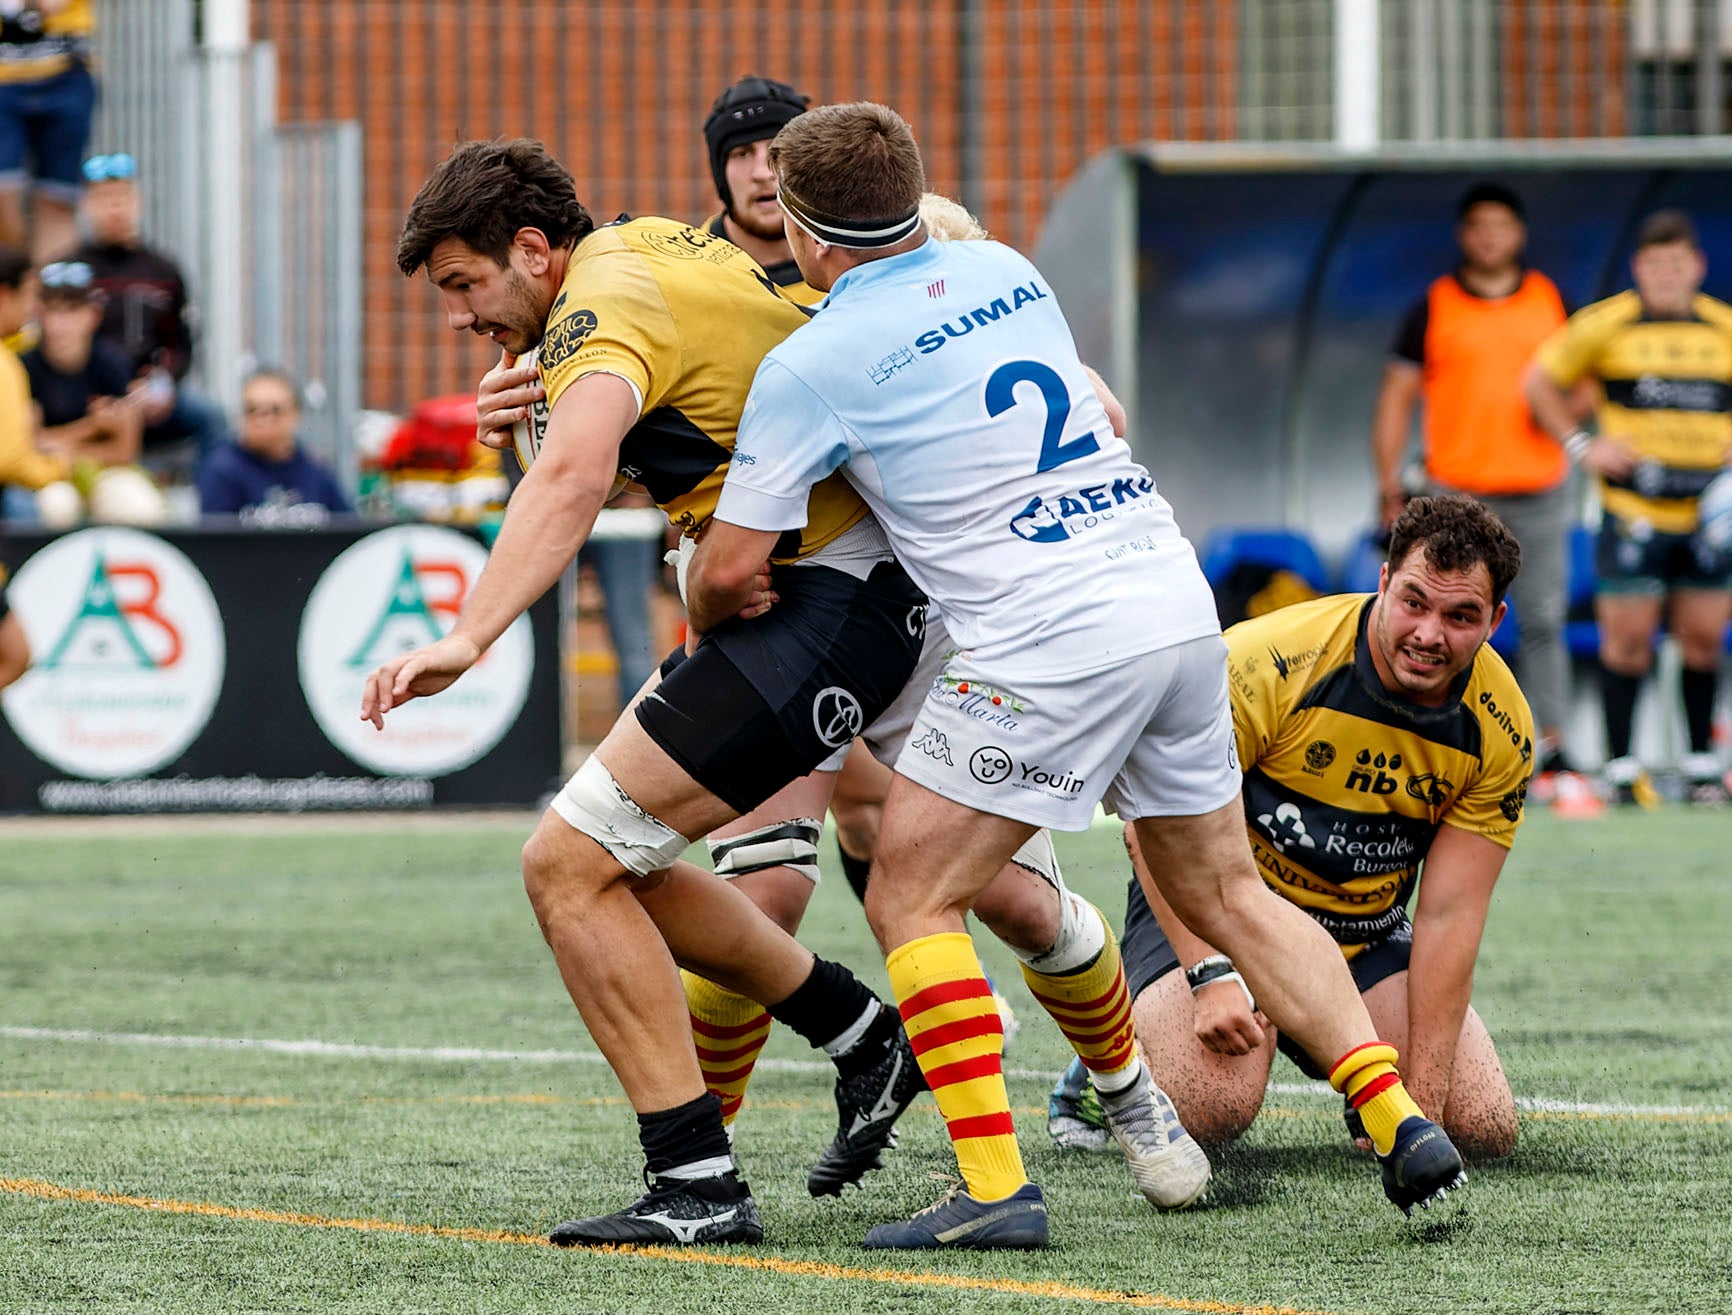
[916, 621]
[989, 765]
[836, 716]
[934, 745]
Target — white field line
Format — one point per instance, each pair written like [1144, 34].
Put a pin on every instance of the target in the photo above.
[471, 1055]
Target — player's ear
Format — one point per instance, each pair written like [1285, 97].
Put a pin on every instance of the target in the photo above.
[535, 252]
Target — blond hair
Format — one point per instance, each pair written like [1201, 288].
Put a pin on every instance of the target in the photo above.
[949, 221]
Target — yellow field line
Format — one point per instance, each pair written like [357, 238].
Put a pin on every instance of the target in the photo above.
[46, 1191]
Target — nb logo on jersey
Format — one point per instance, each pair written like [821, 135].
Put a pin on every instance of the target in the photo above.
[1368, 777]
[836, 716]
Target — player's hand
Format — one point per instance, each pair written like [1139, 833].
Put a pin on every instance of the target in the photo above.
[506, 393]
[1225, 1022]
[762, 596]
[1610, 456]
[413, 675]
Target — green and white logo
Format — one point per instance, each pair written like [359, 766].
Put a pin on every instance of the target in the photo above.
[129, 654]
[392, 592]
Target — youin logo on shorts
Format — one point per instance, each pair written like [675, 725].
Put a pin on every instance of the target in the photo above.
[989, 765]
[836, 716]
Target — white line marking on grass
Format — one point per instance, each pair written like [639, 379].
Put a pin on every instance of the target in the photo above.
[472, 1055]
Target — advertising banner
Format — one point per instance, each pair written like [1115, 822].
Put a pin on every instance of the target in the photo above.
[222, 670]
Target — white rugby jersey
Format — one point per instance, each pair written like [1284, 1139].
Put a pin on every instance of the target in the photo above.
[945, 384]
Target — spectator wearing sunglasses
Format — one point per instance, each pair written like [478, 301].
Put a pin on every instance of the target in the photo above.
[146, 316]
[80, 382]
[47, 98]
[266, 477]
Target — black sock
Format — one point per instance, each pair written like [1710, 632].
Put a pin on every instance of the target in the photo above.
[685, 1135]
[827, 1005]
[1700, 688]
[856, 870]
[1618, 697]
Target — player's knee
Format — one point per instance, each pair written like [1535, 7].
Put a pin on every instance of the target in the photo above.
[558, 860]
[1490, 1136]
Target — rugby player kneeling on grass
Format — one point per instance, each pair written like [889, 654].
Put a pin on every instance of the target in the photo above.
[1377, 733]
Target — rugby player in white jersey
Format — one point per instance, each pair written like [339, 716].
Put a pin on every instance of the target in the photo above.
[943, 380]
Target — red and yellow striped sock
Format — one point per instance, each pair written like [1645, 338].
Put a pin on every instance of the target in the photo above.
[1092, 1007]
[730, 1031]
[954, 1029]
[1366, 1076]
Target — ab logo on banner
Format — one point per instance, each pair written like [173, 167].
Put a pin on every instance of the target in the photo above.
[392, 592]
[128, 654]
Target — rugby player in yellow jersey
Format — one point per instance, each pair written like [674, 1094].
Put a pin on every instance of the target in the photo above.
[1661, 356]
[1377, 733]
[648, 334]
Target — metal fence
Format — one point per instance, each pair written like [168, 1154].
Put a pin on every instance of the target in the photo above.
[264, 219]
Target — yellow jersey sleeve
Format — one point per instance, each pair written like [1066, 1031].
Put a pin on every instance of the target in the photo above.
[1492, 806]
[20, 462]
[613, 319]
[1571, 352]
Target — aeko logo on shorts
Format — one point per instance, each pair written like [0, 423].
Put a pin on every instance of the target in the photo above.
[392, 592]
[129, 654]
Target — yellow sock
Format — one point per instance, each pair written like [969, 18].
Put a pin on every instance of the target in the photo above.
[730, 1031]
[1092, 1007]
[1366, 1076]
[954, 1029]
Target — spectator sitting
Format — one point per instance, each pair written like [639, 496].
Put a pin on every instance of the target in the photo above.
[78, 381]
[146, 317]
[47, 98]
[265, 477]
[21, 463]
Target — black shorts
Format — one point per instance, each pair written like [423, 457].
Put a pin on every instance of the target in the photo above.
[1149, 956]
[763, 702]
[1630, 558]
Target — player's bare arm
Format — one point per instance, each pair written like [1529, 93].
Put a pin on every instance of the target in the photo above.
[1461, 868]
[549, 517]
[506, 393]
[1225, 1020]
[1391, 422]
[730, 574]
[1558, 412]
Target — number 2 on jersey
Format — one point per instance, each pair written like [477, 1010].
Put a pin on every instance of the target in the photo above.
[1001, 396]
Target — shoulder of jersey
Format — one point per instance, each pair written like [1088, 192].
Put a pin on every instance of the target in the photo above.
[1326, 610]
[1714, 311]
[1612, 312]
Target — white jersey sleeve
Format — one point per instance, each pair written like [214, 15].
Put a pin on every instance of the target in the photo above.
[788, 440]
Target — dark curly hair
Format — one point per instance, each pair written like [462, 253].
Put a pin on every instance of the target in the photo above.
[1457, 534]
[483, 192]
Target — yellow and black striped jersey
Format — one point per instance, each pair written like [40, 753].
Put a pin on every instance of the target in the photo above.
[1666, 387]
[1347, 784]
[35, 46]
[684, 318]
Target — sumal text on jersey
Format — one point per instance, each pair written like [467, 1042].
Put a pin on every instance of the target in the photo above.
[1024, 295]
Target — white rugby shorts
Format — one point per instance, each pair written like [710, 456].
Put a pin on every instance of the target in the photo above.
[1148, 737]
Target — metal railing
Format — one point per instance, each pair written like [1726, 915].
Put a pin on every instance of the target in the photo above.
[264, 219]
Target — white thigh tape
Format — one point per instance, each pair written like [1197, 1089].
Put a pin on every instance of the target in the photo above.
[593, 803]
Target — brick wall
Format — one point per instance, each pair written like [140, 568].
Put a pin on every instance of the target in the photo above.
[1008, 100]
